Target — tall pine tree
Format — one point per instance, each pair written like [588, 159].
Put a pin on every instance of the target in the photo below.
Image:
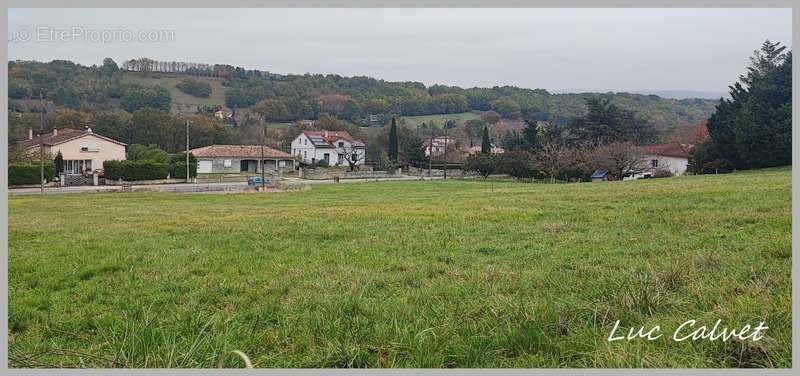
[393, 141]
[753, 129]
[486, 142]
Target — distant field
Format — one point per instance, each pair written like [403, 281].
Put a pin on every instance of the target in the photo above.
[403, 274]
[181, 100]
[439, 119]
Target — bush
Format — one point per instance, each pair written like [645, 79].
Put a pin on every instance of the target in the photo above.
[135, 170]
[194, 87]
[517, 164]
[178, 170]
[22, 174]
[662, 173]
[135, 97]
[137, 152]
[706, 159]
[483, 164]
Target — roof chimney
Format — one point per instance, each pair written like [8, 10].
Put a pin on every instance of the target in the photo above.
[55, 131]
[30, 133]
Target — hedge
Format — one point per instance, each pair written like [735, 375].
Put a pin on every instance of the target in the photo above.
[135, 170]
[22, 174]
[178, 170]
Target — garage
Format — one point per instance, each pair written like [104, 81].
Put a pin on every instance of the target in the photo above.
[204, 167]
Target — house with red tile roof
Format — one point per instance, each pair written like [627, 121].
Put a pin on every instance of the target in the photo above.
[82, 150]
[336, 148]
[241, 158]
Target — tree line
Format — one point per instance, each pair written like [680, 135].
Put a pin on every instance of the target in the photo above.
[308, 96]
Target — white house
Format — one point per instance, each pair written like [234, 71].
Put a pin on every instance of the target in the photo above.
[337, 148]
[435, 146]
[82, 150]
[672, 156]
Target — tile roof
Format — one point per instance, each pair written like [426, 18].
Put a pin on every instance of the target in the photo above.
[238, 151]
[61, 136]
[669, 149]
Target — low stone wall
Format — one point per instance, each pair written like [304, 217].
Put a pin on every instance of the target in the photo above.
[145, 182]
[326, 174]
[424, 172]
[368, 174]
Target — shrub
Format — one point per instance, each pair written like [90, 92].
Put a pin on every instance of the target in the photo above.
[135, 97]
[194, 87]
[21, 174]
[135, 170]
[137, 152]
[706, 159]
[662, 173]
[178, 169]
[483, 164]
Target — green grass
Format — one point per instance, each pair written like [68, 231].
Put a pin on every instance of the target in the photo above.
[439, 119]
[180, 100]
[403, 274]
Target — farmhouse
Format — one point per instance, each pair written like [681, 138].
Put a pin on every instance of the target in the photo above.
[240, 158]
[82, 150]
[336, 148]
[435, 146]
[672, 156]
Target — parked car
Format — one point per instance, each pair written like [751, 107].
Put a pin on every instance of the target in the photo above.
[256, 180]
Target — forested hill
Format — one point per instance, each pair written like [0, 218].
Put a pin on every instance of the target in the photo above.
[186, 87]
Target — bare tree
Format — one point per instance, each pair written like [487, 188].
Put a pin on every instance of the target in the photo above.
[553, 157]
[351, 155]
[620, 159]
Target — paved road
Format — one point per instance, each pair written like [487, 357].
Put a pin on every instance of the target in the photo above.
[188, 188]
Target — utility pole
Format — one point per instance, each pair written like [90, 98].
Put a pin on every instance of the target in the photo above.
[187, 151]
[41, 144]
[430, 151]
[263, 134]
[445, 150]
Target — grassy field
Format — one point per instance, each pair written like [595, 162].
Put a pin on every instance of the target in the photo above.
[439, 119]
[403, 274]
[180, 100]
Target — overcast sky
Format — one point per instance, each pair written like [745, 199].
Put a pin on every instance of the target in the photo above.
[555, 49]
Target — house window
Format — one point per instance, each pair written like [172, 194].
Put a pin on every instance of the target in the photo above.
[355, 157]
[77, 166]
[326, 157]
[226, 163]
[89, 146]
[654, 163]
[305, 154]
[341, 144]
[341, 159]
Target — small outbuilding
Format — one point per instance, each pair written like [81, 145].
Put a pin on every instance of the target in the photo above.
[241, 158]
[600, 175]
